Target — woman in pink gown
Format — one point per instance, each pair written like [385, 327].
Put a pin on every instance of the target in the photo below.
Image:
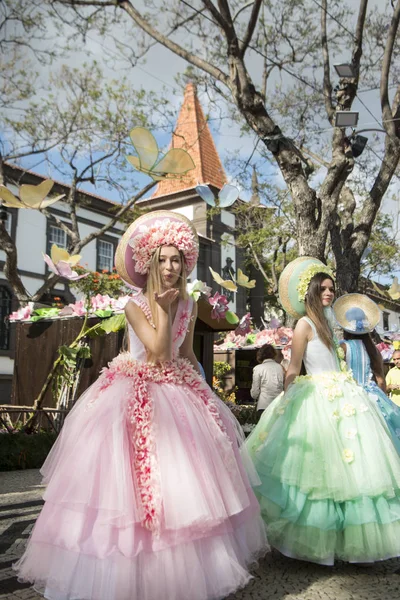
[147, 495]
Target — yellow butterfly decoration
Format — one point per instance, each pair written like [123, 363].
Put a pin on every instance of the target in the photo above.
[30, 196]
[243, 280]
[394, 290]
[175, 162]
[227, 284]
[58, 254]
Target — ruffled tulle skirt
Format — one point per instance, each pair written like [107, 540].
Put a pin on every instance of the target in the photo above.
[330, 474]
[389, 410]
[148, 495]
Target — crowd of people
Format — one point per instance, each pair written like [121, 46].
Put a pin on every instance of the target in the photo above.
[152, 490]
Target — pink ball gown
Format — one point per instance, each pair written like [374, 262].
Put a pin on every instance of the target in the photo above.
[147, 494]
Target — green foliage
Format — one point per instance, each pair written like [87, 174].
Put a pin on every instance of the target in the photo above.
[110, 325]
[23, 451]
[104, 283]
[384, 257]
[221, 369]
[245, 413]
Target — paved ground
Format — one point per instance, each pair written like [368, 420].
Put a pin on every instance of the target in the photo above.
[277, 578]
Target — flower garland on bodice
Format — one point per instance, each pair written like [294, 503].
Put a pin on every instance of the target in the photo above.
[140, 410]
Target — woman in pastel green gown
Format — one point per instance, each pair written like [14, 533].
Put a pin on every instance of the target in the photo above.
[329, 470]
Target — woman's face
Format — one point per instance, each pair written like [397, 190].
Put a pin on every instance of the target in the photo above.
[327, 292]
[170, 266]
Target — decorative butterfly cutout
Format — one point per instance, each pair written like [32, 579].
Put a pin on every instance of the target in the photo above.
[58, 254]
[61, 263]
[243, 280]
[394, 290]
[227, 284]
[175, 162]
[226, 197]
[30, 196]
[393, 293]
[230, 285]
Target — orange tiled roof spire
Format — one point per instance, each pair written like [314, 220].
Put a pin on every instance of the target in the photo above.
[193, 134]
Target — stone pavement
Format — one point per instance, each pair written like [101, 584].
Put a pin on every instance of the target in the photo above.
[276, 578]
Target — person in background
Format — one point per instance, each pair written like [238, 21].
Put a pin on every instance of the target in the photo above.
[393, 379]
[358, 316]
[268, 378]
[279, 358]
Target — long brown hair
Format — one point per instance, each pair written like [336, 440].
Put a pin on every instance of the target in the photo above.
[154, 281]
[373, 352]
[315, 308]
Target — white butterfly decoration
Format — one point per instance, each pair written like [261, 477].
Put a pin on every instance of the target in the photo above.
[226, 197]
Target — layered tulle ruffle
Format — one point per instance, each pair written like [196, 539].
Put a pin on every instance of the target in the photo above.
[105, 533]
[330, 473]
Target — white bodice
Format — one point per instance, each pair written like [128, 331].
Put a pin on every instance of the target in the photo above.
[179, 327]
[317, 357]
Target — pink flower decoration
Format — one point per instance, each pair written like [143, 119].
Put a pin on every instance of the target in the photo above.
[23, 313]
[163, 233]
[244, 326]
[140, 421]
[118, 304]
[219, 302]
[63, 269]
[100, 302]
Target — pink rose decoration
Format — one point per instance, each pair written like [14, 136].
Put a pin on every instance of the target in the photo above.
[219, 302]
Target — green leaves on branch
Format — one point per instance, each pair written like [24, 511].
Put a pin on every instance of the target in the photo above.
[110, 325]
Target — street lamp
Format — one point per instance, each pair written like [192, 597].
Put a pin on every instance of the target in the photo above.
[345, 70]
[346, 118]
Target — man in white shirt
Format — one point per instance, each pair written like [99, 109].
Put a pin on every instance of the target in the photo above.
[268, 378]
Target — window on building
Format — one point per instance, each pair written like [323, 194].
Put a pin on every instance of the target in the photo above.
[5, 310]
[56, 236]
[386, 321]
[105, 255]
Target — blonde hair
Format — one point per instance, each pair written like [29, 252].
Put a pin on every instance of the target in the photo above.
[154, 282]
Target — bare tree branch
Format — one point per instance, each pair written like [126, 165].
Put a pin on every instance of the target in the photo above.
[174, 47]
[250, 27]
[387, 60]
[118, 215]
[325, 55]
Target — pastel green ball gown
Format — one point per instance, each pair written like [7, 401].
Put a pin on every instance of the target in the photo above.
[329, 470]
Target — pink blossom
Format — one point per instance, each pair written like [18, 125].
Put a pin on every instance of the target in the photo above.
[63, 269]
[100, 302]
[219, 302]
[244, 326]
[22, 314]
[118, 304]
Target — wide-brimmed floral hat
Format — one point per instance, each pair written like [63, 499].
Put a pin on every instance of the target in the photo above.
[145, 235]
[294, 282]
[356, 313]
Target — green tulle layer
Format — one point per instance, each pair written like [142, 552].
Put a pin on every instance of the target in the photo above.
[329, 440]
[323, 531]
[330, 474]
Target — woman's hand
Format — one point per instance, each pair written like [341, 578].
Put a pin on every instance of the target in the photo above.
[167, 298]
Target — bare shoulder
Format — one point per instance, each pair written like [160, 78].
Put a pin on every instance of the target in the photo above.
[133, 311]
[303, 327]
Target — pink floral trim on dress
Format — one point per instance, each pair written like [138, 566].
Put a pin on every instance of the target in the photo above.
[140, 416]
[183, 321]
[140, 410]
[142, 302]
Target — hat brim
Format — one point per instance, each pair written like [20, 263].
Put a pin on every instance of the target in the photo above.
[288, 282]
[348, 301]
[125, 263]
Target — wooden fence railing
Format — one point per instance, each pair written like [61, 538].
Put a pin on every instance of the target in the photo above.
[12, 417]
